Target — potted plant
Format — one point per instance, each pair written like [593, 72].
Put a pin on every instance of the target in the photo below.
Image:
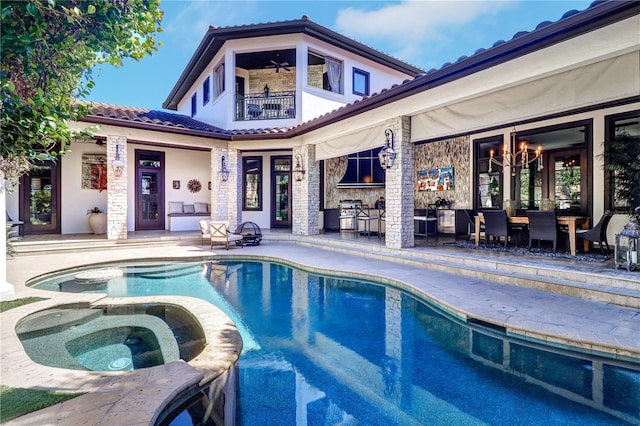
[97, 221]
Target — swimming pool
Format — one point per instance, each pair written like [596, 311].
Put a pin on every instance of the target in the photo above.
[326, 350]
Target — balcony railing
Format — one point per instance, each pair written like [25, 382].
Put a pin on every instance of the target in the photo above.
[262, 106]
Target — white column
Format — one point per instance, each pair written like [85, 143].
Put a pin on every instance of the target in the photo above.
[226, 196]
[306, 193]
[399, 201]
[7, 292]
[117, 189]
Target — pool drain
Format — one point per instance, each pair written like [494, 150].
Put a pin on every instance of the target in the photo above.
[120, 363]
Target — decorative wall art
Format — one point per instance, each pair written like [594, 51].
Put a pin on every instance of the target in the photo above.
[94, 171]
[194, 185]
[176, 184]
[436, 179]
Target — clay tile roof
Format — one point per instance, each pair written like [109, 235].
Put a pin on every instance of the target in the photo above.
[147, 117]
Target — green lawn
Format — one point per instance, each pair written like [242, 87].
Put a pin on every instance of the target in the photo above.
[16, 402]
[10, 304]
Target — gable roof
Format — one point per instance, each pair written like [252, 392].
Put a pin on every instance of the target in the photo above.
[215, 38]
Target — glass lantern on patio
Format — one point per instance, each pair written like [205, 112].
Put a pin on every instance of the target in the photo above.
[627, 246]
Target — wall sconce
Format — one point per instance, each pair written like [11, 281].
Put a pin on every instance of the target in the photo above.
[118, 164]
[298, 170]
[387, 155]
[224, 172]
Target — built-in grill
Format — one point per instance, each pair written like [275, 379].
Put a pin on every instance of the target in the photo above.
[348, 213]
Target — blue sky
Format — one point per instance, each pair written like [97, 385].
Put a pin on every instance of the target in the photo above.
[423, 33]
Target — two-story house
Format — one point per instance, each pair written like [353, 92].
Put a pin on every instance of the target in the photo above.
[259, 104]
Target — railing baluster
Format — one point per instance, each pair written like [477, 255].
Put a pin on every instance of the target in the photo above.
[278, 105]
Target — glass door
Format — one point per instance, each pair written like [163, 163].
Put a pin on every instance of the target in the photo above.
[39, 199]
[281, 190]
[149, 190]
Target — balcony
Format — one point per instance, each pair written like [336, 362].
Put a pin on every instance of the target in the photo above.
[272, 106]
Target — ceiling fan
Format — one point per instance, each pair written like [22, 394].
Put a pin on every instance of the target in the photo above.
[278, 65]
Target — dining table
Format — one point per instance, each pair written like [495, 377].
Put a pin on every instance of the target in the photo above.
[573, 223]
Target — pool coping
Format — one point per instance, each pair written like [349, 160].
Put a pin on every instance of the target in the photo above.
[118, 397]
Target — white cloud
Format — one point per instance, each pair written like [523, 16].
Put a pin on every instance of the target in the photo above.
[411, 27]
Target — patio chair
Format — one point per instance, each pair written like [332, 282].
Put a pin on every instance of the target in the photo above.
[598, 234]
[11, 224]
[204, 230]
[471, 223]
[543, 226]
[221, 235]
[496, 224]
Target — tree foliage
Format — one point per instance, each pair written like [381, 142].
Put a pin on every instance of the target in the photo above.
[49, 48]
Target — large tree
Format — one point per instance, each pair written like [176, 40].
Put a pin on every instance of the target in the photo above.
[49, 49]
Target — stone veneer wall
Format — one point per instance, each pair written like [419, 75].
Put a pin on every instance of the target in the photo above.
[335, 168]
[306, 200]
[116, 190]
[283, 81]
[445, 153]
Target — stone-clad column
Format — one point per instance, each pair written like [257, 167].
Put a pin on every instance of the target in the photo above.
[117, 189]
[399, 202]
[226, 196]
[306, 193]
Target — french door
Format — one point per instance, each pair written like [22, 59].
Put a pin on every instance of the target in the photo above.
[40, 199]
[149, 190]
[281, 192]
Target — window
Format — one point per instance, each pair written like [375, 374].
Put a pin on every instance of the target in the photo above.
[324, 72]
[622, 161]
[360, 82]
[252, 183]
[218, 80]
[363, 169]
[194, 104]
[206, 91]
[488, 182]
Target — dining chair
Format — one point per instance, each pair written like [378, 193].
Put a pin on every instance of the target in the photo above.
[543, 226]
[496, 224]
[471, 223]
[598, 234]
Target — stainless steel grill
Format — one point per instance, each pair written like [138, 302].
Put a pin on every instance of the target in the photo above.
[348, 213]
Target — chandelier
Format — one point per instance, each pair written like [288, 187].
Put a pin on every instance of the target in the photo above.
[512, 158]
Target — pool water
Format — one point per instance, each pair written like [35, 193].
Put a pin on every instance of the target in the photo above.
[328, 351]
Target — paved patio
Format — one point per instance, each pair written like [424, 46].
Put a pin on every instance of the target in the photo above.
[587, 305]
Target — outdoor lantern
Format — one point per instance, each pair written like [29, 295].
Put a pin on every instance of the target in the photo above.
[224, 172]
[118, 164]
[627, 246]
[387, 155]
[298, 170]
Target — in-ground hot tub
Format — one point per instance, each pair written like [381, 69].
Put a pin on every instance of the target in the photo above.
[110, 337]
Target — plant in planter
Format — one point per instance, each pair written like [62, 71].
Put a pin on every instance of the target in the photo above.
[97, 221]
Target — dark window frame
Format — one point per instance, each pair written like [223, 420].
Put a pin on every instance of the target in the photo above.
[480, 163]
[364, 161]
[367, 80]
[206, 91]
[609, 176]
[194, 104]
[246, 172]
